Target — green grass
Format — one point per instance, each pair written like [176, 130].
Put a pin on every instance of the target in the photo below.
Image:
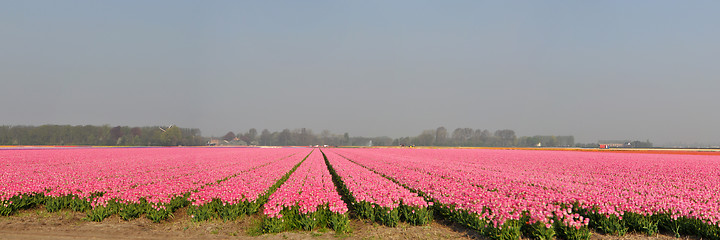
[255, 228]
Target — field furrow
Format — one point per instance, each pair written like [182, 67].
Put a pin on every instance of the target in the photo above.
[307, 200]
[377, 198]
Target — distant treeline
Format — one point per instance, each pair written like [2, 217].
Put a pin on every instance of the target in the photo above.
[100, 135]
[468, 137]
[174, 136]
[299, 137]
[462, 137]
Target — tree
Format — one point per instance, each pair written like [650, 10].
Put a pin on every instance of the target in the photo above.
[5, 135]
[304, 137]
[361, 141]
[405, 141]
[530, 141]
[440, 136]
[425, 138]
[266, 138]
[229, 136]
[284, 137]
[136, 131]
[346, 139]
[172, 136]
[476, 139]
[325, 137]
[461, 136]
[506, 136]
[251, 135]
[566, 141]
[103, 134]
[116, 133]
[191, 137]
[382, 141]
[639, 144]
[97, 135]
[158, 138]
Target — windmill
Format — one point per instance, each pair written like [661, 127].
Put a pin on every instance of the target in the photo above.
[165, 130]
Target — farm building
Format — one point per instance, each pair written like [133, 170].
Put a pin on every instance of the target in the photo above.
[614, 143]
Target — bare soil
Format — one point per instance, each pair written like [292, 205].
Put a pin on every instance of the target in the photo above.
[40, 224]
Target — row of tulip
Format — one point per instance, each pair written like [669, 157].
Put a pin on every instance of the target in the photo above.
[124, 181]
[508, 193]
[307, 200]
[374, 197]
[244, 193]
[503, 194]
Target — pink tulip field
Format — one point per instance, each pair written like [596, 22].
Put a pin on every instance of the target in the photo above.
[502, 194]
[308, 199]
[243, 193]
[126, 181]
[508, 193]
[375, 197]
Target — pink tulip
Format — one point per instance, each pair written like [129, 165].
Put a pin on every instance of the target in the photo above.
[511, 182]
[309, 188]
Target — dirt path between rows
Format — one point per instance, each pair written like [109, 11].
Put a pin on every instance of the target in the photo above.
[39, 224]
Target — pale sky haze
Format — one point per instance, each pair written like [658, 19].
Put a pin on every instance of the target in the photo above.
[592, 69]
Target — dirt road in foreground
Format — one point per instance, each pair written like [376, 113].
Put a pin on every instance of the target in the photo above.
[39, 224]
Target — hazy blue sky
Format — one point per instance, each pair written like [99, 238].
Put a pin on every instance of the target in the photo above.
[592, 69]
